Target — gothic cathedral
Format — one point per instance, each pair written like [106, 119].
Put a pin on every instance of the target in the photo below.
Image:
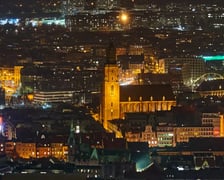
[118, 100]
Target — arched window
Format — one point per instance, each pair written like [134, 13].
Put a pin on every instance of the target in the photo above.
[112, 90]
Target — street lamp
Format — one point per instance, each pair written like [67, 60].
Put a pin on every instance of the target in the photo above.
[124, 17]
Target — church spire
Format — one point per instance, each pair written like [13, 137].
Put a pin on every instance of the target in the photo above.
[111, 54]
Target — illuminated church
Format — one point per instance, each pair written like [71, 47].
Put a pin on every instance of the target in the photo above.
[117, 100]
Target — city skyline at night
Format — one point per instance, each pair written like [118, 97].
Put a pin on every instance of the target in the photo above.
[112, 89]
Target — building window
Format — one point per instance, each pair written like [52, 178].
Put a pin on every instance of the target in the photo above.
[111, 113]
[112, 90]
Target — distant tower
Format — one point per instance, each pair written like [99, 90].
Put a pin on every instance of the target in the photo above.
[71, 143]
[111, 89]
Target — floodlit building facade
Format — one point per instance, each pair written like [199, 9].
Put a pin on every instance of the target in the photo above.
[216, 120]
[117, 100]
[183, 134]
[10, 79]
[43, 97]
[29, 150]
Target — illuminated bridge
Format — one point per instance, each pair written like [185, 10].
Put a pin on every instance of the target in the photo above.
[206, 77]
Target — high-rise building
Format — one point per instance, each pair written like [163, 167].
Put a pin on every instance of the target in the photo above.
[189, 68]
[215, 120]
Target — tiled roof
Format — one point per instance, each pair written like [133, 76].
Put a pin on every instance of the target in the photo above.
[146, 92]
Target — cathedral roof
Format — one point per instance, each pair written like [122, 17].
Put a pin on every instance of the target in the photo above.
[155, 92]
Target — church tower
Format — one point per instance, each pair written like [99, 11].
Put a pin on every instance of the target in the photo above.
[110, 102]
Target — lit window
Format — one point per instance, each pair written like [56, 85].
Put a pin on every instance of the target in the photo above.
[112, 90]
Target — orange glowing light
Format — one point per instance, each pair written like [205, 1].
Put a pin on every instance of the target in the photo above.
[30, 97]
[216, 132]
[124, 17]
